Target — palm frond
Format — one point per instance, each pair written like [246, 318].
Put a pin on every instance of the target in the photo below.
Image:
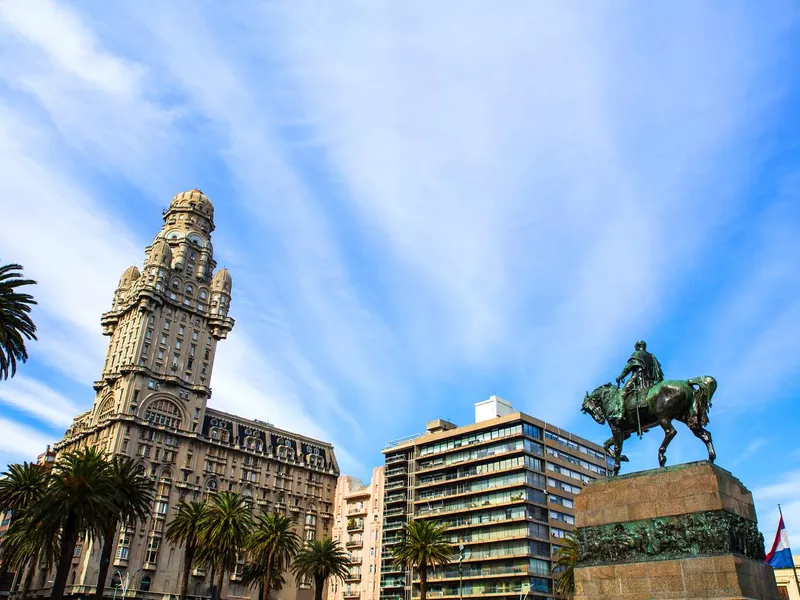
[16, 324]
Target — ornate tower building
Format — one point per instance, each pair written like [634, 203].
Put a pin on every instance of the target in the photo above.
[166, 321]
[152, 402]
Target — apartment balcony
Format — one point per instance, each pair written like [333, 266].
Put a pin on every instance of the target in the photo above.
[393, 526]
[393, 583]
[353, 577]
[395, 498]
[397, 458]
[400, 510]
[355, 525]
[356, 560]
[397, 472]
[396, 485]
[467, 573]
[356, 511]
[354, 544]
[352, 593]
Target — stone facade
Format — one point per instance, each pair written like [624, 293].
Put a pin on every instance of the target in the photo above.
[152, 402]
[358, 517]
[687, 531]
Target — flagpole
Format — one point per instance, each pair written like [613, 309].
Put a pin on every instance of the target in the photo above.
[796, 580]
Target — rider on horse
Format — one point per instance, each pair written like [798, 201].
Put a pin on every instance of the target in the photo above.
[645, 371]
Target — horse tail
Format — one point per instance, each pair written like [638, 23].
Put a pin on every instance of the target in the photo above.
[706, 386]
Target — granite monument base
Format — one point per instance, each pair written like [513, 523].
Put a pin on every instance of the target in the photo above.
[687, 531]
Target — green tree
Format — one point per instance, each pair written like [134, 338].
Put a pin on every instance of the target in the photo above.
[253, 576]
[271, 542]
[22, 487]
[80, 490]
[16, 324]
[321, 560]
[131, 499]
[423, 545]
[29, 543]
[566, 557]
[184, 529]
[224, 531]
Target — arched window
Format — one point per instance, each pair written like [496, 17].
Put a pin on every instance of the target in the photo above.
[280, 498]
[189, 290]
[220, 434]
[176, 285]
[203, 294]
[211, 485]
[144, 586]
[164, 412]
[106, 409]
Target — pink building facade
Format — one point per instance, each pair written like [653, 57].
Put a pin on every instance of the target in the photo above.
[357, 519]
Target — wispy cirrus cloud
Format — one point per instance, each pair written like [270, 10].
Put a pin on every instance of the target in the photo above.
[421, 205]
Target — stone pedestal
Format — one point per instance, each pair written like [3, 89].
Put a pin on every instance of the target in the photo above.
[687, 531]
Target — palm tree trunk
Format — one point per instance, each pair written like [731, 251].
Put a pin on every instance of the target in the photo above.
[109, 533]
[423, 582]
[69, 538]
[267, 578]
[188, 558]
[319, 585]
[26, 583]
[221, 582]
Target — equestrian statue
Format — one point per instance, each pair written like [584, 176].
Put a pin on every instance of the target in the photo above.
[647, 400]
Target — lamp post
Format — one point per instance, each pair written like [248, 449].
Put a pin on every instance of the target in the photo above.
[460, 572]
[118, 584]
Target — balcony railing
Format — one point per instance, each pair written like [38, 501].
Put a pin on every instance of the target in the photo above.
[397, 458]
[394, 511]
[397, 471]
[395, 498]
[395, 485]
[354, 544]
[393, 526]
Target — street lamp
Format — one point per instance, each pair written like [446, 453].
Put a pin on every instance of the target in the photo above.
[460, 572]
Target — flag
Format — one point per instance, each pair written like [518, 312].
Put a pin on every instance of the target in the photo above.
[780, 557]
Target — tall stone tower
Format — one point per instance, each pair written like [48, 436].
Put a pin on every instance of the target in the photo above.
[166, 321]
[152, 403]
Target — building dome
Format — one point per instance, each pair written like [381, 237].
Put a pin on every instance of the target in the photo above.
[222, 281]
[160, 253]
[193, 199]
[130, 275]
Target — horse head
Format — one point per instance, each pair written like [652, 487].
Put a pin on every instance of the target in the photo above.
[593, 406]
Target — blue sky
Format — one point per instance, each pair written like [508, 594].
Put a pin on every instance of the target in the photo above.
[422, 204]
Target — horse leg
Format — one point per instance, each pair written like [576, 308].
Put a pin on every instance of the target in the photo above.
[669, 433]
[705, 435]
[607, 447]
[618, 439]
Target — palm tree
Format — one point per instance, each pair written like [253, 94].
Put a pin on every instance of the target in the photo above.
[320, 560]
[566, 558]
[79, 491]
[224, 531]
[21, 488]
[184, 529]
[131, 499]
[28, 543]
[253, 575]
[272, 542]
[424, 545]
[15, 321]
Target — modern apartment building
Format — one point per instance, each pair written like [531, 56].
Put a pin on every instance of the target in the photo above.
[505, 485]
[358, 521]
[152, 402]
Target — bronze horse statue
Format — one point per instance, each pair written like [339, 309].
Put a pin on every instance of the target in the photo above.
[686, 401]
